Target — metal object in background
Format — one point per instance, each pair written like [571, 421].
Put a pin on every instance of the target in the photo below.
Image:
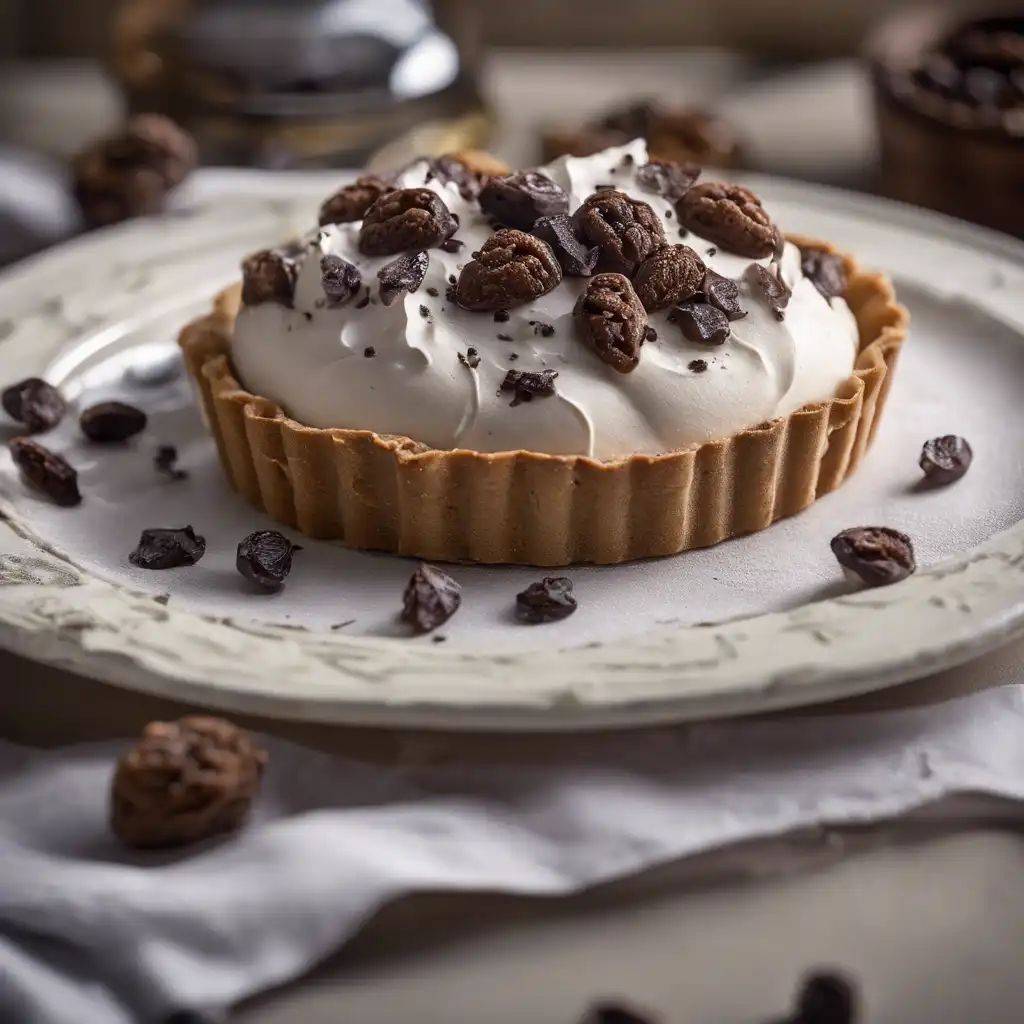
[305, 83]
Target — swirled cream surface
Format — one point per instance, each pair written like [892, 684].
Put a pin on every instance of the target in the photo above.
[396, 369]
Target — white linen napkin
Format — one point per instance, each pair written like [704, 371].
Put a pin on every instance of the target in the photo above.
[92, 934]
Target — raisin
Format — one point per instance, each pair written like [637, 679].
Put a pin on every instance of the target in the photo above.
[550, 600]
[431, 599]
[575, 259]
[946, 459]
[112, 422]
[47, 471]
[518, 200]
[351, 202]
[404, 220]
[511, 269]
[877, 555]
[672, 275]
[612, 321]
[168, 548]
[731, 216]
[340, 280]
[265, 558]
[626, 230]
[404, 274]
[34, 403]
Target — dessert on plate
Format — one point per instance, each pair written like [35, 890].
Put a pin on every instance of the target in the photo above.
[604, 359]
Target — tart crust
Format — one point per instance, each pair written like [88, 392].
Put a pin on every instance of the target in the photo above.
[391, 493]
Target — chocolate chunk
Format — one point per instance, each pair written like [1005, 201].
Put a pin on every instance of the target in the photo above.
[404, 274]
[827, 998]
[351, 202]
[549, 600]
[611, 319]
[431, 599]
[575, 259]
[269, 276]
[112, 422]
[697, 365]
[701, 323]
[667, 179]
[404, 220]
[183, 782]
[46, 471]
[671, 275]
[775, 291]
[731, 216]
[527, 384]
[451, 245]
[369, 352]
[501, 316]
[825, 271]
[340, 280]
[470, 359]
[650, 334]
[946, 459]
[876, 554]
[616, 1013]
[723, 293]
[166, 461]
[518, 200]
[36, 404]
[511, 269]
[265, 558]
[626, 230]
[543, 329]
[168, 548]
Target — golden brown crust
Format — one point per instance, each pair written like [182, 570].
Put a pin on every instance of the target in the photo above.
[393, 494]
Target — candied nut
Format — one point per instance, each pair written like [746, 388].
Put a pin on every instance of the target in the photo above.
[403, 220]
[269, 276]
[339, 280]
[730, 216]
[185, 781]
[671, 275]
[876, 555]
[265, 558]
[351, 202]
[112, 422]
[626, 230]
[827, 998]
[701, 323]
[667, 178]
[130, 173]
[550, 600]
[611, 319]
[826, 271]
[34, 403]
[168, 548]
[775, 291]
[723, 293]
[616, 1013]
[946, 459]
[165, 461]
[526, 385]
[575, 259]
[431, 599]
[519, 199]
[404, 274]
[47, 471]
[511, 268]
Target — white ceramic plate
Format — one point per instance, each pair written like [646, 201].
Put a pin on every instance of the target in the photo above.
[755, 624]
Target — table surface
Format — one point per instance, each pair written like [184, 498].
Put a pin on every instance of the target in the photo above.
[932, 924]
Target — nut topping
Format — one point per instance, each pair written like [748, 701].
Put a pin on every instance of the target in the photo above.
[611, 319]
[518, 200]
[876, 555]
[626, 230]
[730, 216]
[673, 274]
[404, 220]
[351, 202]
[511, 269]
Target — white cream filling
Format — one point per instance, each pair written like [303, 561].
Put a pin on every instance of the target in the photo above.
[311, 359]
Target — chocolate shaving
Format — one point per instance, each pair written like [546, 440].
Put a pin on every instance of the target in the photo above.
[527, 385]
[404, 274]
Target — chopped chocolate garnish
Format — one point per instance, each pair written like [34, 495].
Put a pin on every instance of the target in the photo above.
[827, 998]
[723, 293]
[611, 319]
[504, 337]
[701, 323]
[183, 782]
[451, 279]
[165, 461]
[671, 275]
[518, 200]
[425, 313]
[470, 359]
[712, 250]
[548, 601]
[527, 385]
[369, 352]
[667, 178]
[825, 271]
[775, 291]
[543, 329]
[451, 245]
[626, 230]
[431, 599]
[512, 268]
[946, 459]
[450, 293]
[351, 202]
[433, 293]
[628, 160]
[697, 365]
[512, 356]
[112, 422]
[34, 403]
[265, 558]
[731, 216]
[875, 554]
[501, 316]
[668, 214]
[269, 276]
[650, 334]
[340, 280]
[168, 549]
[404, 220]
[46, 471]
[574, 257]
[307, 315]
[616, 1013]
[404, 274]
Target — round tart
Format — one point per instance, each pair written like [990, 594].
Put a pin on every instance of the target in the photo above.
[602, 360]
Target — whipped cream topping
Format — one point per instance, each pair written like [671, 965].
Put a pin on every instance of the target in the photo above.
[396, 369]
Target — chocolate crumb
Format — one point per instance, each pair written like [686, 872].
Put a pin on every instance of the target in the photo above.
[504, 337]
[166, 461]
[369, 352]
[712, 251]
[551, 600]
[431, 599]
[438, 639]
[604, 188]
[452, 279]
[452, 245]
[168, 548]
[828, 998]
[543, 329]
[308, 316]
[424, 312]
[36, 404]
[527, 385]
[697, 366]
[501, 316]
[433, 293]
[112, 422]
[628, 160]
[513, 356]
[668, 214]
[650, 334]
[470, 359]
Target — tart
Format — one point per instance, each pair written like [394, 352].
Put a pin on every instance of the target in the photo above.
[602, 360]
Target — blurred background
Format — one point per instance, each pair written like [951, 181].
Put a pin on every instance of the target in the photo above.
[777, 86]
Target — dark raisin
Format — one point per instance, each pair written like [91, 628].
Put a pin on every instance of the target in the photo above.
[112, 422]
[166, 461]
[611, 319]
[404, 274]
[946, 459]
[825, 271]
[701, 323]
[34, 403]
[168, 548]
[518, 200]
[731, 216]
[576, 259]
[549, 600]
[265, 558]
[877, 555]
[527, 385]
[340, 280]
[723, 293]
[511, 269]
[46, 471]
[775, 291]
[431, 599]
